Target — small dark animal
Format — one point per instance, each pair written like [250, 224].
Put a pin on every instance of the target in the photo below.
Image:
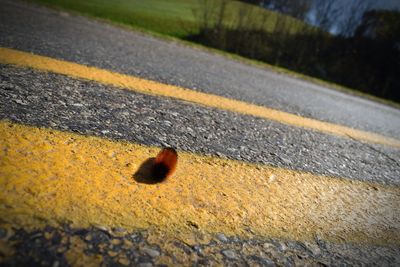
[164, 164]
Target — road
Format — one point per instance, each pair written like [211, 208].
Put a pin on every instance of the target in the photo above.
[74, 39]
[335, 199]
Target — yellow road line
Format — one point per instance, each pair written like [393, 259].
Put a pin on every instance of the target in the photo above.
[52, 176]
[10, 56]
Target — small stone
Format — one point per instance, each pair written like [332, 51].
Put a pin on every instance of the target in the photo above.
[285, 160]
[56, 264]
[221, 237]
[268, 262]
[88, 237]
[115, 242]
[64, 240]
[331, 171]
[103, 228]
[145, 264]
[282, 246]
[112, 253]
[235, 239]
[127, 244]
[102, 247]
[314, 248]
[136, 238]
[151, 252]
[229, 254]
[197, 249]
[61, 249]
[219, 154]
[124, 261]
[269, 246]
[48, 235]
[37, 235]
[120, 230]
[21, 102]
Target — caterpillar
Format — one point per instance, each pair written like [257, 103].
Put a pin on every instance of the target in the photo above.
[164, 164]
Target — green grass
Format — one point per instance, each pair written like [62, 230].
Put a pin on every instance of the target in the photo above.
[173, 18]
[168, 17]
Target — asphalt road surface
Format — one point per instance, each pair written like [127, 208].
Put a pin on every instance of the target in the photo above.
[31, 97]
[80, 40]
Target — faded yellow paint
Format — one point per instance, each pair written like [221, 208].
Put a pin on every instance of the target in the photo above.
[48, 176]
[10, 56]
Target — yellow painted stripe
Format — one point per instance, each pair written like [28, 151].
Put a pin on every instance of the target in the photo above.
[10, 56]
[55, 177]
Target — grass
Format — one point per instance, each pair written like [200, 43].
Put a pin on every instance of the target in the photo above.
[172, 18]
[176, 19]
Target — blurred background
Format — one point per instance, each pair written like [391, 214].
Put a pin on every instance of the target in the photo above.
[353, 43]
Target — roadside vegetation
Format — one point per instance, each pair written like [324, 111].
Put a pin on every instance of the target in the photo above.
[172, 18]
[176, 18]
[352, 59]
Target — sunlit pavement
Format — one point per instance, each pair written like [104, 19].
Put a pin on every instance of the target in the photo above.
[253, 186]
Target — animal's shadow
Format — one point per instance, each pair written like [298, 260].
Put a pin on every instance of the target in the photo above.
[146, 173]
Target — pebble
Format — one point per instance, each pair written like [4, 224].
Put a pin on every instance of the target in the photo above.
[145, 264]
[103, 228]
[268, 262]
[88, 237]
[37, 235]
[151, 252]
[119, 230]
[314, 248]
[269, 246]
[124, 261]
[116, 242]
[282, 247]
[285, 160]
[197, 249]
[77, 105]
[221, 237]
[112, 253]
[127, 244]
[136, 238]
[48, 235]
[229, 254]
[21, 102]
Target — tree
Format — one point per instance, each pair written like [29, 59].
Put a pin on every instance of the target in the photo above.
[294, 8]
[352, 15]
[380, 25]
[378, 37]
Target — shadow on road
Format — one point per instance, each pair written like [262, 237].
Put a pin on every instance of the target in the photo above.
[145, 173]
